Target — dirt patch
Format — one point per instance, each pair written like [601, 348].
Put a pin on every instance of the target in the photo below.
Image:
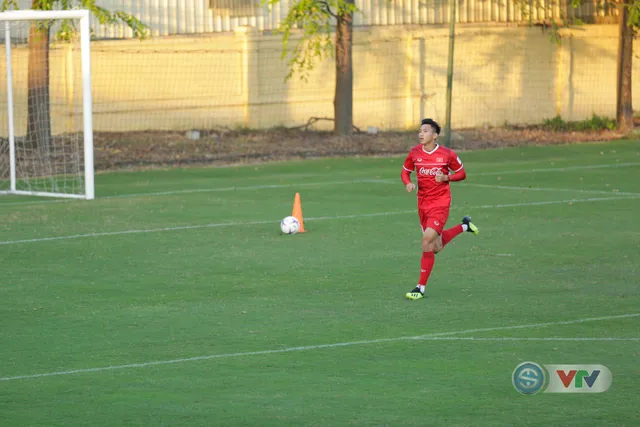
[134, 150]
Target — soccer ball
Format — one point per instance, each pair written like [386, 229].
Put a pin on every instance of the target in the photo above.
[289, 225]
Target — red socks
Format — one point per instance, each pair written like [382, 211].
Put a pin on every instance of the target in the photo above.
[429, 258]
[448, 235]
[426, 265]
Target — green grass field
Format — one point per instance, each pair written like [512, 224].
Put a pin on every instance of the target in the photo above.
[172, 299]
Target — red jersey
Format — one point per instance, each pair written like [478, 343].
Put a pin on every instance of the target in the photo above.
[427, 164]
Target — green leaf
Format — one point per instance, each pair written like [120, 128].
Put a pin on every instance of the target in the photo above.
[104, 16]
[313, 21]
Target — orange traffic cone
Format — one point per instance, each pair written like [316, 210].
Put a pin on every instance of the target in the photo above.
[297, 212]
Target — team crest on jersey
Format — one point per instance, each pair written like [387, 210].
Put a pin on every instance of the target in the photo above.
[419, 159]
[436, 222]
[439, 159]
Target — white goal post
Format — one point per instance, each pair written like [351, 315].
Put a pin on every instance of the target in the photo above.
[46, 128]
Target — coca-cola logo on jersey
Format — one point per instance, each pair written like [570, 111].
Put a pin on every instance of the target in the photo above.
[432, 171]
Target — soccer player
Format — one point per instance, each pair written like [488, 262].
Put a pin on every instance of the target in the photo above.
[435, 168]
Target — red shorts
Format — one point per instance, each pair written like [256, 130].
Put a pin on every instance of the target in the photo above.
[435, 218]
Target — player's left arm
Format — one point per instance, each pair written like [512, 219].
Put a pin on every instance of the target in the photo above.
[457, 172]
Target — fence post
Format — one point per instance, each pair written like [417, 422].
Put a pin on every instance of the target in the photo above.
[452, 32]
[560, 80]
[409, 122]
[249, 84]
[421, 68]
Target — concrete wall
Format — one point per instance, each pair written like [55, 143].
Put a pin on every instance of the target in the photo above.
[502, 74]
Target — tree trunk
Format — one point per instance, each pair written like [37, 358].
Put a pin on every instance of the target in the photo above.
[38, 104]
[624, 106]
[343, 100]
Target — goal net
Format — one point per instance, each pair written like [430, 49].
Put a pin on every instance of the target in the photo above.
[46, 140]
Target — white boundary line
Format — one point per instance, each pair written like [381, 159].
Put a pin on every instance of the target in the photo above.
[204, 190]
[513, 187]
[555, 202]
[560, 169]
[276, 186]
[319, 218]
[570, 190]
[314, 347]
[530, 339]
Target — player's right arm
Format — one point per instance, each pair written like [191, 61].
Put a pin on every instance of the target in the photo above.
[405, 175]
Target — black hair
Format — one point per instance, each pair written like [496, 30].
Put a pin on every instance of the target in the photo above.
[433, 124]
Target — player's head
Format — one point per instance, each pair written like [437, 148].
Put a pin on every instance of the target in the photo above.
[430, 122]
[429, 131]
